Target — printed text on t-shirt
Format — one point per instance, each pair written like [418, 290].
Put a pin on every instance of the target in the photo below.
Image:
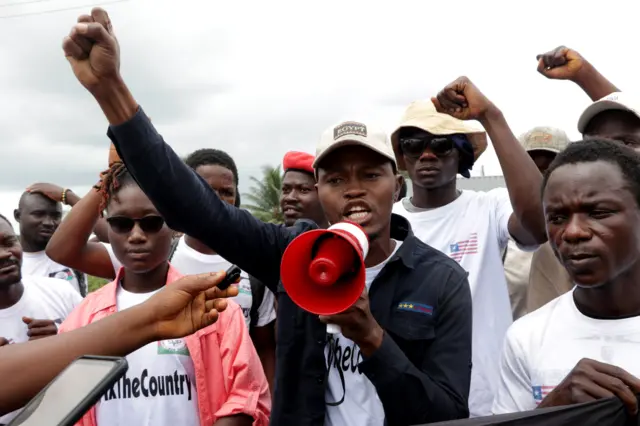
[150, 386]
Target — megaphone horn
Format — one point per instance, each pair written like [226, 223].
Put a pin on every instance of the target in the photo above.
[323, 270]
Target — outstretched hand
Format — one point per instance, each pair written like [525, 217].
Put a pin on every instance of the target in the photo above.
[189, 304]
[92, 50]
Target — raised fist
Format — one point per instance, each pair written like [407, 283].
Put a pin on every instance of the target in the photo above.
[561, 63]
[92, 50]
[462, 100]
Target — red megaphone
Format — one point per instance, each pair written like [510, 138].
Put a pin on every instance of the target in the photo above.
[323, 270]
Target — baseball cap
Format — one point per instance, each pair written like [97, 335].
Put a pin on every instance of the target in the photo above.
[549, 139]
[423, 115]
[615, 101]
[350, 133]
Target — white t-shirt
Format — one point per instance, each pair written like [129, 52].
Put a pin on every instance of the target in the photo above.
[189, 261]
[473, 230]
[159, 389]
[43, 298]
[38, 264]
[517, 266]
[542, 347]
[361, 405]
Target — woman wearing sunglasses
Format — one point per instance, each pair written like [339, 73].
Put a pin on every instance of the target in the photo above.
[71, 246]
[213, 377]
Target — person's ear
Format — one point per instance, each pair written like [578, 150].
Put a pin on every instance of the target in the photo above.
[399, 183]
[16, 215]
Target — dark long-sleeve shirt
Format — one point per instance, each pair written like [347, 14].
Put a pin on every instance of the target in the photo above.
[421, 371]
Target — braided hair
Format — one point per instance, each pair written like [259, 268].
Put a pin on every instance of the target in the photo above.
[112, 180]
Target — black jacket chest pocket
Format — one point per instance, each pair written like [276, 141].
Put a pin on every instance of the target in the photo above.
[413, 332]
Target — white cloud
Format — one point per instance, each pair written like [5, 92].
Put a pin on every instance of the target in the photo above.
[259, 78]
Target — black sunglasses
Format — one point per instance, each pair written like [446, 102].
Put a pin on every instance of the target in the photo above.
[124, 225]
[414, 147]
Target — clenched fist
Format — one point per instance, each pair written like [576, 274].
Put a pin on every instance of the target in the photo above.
[92, 50]
[462, 100]
[561, 63]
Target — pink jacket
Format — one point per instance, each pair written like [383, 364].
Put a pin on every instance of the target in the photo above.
[229, 376]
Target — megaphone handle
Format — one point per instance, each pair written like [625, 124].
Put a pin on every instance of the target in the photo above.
[333, 329]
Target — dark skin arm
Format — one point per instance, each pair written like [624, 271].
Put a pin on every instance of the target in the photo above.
[55, 192]
[183, 308]
[237, 420]
[462, 99]
[264, 339]
[563, 63]
[69, 245]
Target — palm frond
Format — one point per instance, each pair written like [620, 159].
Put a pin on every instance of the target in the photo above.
[264, 195]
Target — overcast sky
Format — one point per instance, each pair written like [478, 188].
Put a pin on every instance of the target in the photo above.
[258, 78]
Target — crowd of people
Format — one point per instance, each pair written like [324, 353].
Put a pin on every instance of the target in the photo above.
[475, 303]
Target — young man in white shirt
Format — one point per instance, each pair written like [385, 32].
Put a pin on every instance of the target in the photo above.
[39, 214]
[585, 344]
[30, 306]
[434, 145]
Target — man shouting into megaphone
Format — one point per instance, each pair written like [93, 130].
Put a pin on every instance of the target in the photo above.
[404, 353]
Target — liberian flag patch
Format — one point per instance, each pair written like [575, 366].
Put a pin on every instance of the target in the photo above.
[540, 392]
[419, 308]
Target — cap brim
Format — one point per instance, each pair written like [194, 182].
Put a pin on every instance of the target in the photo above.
[598, 107]
[477, 138]
[546, 149]
[349, 142]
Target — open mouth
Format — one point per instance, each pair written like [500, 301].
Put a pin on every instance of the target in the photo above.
[358, 214]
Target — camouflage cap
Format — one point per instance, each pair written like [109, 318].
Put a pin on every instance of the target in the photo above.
[549, 139]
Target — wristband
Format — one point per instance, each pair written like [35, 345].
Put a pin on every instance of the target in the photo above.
[64, 196]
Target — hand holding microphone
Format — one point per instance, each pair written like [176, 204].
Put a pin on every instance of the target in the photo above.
[323, 272]
[357, 324]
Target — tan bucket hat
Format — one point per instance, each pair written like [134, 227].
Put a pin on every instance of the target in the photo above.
[423, 115]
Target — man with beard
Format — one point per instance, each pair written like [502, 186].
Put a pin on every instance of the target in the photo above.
[30, 306]
[583, 345]
[434, 144]
[405, 352]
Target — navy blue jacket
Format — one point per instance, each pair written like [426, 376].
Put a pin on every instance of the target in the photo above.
[422, 370]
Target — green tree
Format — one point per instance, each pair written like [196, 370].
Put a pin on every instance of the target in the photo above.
[264, 196]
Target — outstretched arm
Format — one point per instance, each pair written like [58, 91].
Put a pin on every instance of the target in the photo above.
[70, 244]
[563, 63]
[184, 199]
[183, 308]
[463, 100]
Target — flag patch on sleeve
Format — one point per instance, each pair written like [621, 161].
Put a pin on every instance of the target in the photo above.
[419, 308]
